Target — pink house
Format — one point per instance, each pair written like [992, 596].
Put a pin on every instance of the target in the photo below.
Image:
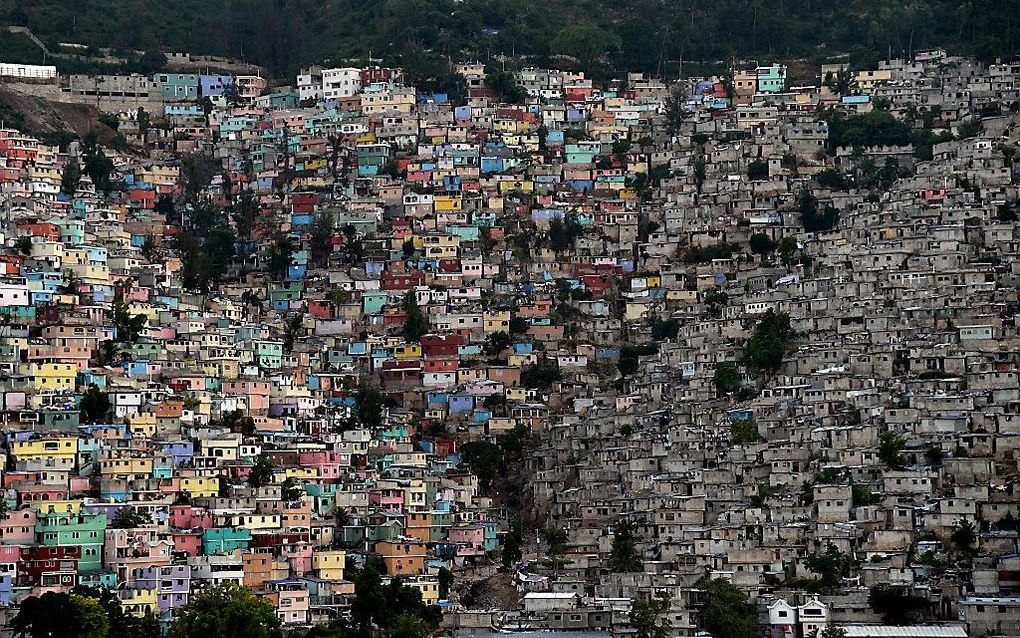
[18, 526]
[189, 517]
[329, 464]
[299, 555]
[470, 537]
[388, 499]
[188, 543]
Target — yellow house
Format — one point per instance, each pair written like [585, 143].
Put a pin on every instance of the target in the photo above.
[682, 296]
[301, 473]
[258, 521]
[223, 368]
[143, 425]
[408, 351]
[200, 486]
[498, 321]
[429, 588]
[508, 185]
[868, 80]
[159, 174]
[43, 449]
[330, 564]
[470, 375]
[441, 246]
[448, 203]
[223, 449]
[57, 507]
[500, 424]
[138, 602]
[127, 468]
[50, 376]
[521, 360]
[516, 394]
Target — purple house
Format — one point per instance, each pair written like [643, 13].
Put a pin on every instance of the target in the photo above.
[213, 85]
[171, 582]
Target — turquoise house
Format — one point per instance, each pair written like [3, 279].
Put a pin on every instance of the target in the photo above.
[87, 531]
[224, 540]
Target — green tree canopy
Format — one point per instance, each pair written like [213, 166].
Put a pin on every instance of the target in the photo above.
[226, 611]
[726, 612]
[765, 349]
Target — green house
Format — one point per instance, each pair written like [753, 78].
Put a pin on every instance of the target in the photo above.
[87, 531]
[269, 354]
[224, 540]
[771, 79]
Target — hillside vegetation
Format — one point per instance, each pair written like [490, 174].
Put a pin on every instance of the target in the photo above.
[600, 35]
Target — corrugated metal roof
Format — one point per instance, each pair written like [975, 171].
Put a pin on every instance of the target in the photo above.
[919, 631]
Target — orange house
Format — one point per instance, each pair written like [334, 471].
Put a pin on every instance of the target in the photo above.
[419, 526]
[402, 557]
[259, 567]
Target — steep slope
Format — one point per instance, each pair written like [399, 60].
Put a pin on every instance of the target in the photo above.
[282, 35]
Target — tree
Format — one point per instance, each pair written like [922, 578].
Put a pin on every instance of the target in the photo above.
[238, 422]
[648, 617]
[121, 623]
[831, 631]
[623, 556]
[143, 122]
[539, 376]
[831, 566]
[788, 248]
[563, 232]
[875, 128]
[895, 604]
[497, 342]
[97, 165]
[504, 84]
[890, 446]
[129, 517]
[129, 326]
[196, 172]
[485, 460]
[762, 244]
[281, 250]
[55, 615]
[842, 82]
[371, 403]
[963, 536]
[70, 176]
[744, 431]
[715, 301]
[519, 325]
[726, 612]
[261, 471]
[831, 178]
[726, 377]
[512, 542]
[813, 220]
[290, 490]
[933, 455]
[94, 406]
[585, 42]
[556, 539]
[445, 578]
[675, 111]
[758, 170]
[226, 611]
[24, 245]
[416, 325]
[665, 329]
[92, 621]
[765, 349]
[321, 240]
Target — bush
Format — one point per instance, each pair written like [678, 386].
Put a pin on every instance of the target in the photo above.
[758, 169]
